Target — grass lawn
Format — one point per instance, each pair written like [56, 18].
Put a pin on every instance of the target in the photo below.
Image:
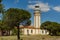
[34, 37]
[40, 37]
[8, 38]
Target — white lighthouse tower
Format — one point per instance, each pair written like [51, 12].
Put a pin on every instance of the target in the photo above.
[37, 16]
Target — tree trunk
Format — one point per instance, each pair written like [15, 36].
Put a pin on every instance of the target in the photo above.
[18, 33]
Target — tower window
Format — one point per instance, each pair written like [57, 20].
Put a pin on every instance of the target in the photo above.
[36, 6]
[28, 32]
[42, 31]
[31, 31]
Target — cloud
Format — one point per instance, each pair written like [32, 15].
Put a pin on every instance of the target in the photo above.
[44, 7]
[57, 8]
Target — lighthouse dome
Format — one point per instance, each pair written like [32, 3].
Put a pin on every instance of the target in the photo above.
[37, 7]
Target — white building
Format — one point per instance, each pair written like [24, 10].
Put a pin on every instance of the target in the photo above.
[35, 30]
[30, 30]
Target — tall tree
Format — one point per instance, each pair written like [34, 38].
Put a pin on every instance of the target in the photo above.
[52, 27]
[2, 13]
[15, 16]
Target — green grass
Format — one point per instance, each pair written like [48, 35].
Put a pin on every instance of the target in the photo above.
[34, 37]
[40, 37]
[8, 38]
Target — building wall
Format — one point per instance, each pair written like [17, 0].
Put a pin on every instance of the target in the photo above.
[37, 19]
[28, 31]
[37, 31]
[43, 32]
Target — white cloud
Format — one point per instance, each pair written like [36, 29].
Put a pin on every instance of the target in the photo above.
[57, 8]
[44, 7]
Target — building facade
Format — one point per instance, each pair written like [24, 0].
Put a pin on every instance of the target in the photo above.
[30, 30]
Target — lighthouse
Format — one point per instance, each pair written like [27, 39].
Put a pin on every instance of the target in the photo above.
[37, 16]
[35, 29]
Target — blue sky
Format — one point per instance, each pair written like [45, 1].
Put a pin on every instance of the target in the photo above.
[50, 9]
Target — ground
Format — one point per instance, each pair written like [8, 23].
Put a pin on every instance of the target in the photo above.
[40, 37]
[8, 38]
[34, 37]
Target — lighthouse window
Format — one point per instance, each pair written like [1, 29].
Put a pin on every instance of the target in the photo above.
[42, 31]
[31, 31]
[27, 30]
[36, 6]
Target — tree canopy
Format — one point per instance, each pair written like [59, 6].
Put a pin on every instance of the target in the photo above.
[16, 16]
[52, 27]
